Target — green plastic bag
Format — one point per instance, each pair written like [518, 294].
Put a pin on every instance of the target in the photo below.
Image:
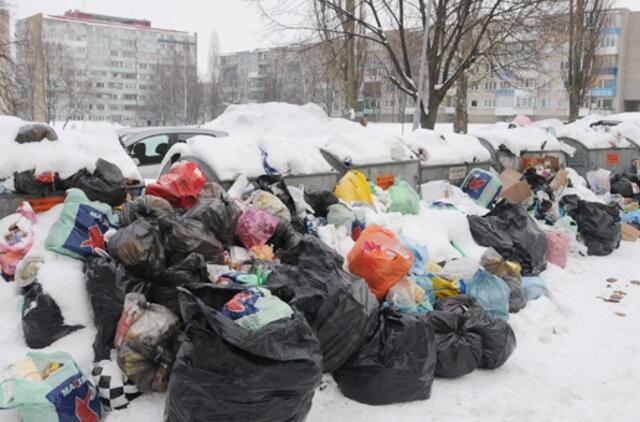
[340, 215]
[65, 395]
[80, 230]
[404, 199]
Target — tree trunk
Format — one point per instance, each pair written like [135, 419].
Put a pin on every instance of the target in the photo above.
[461, 118]
[428, 119]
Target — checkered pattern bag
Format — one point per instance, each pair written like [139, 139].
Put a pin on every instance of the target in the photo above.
[114, 388]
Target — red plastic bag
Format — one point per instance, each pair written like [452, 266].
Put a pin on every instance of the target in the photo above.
[380, 258]
[557, 247]
[256, 226]
[181, 186]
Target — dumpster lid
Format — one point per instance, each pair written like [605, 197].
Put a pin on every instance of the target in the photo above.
[309, 123]
[596, 137]
[450, 148]
[74, 150]
[520, 139]
[234, 155]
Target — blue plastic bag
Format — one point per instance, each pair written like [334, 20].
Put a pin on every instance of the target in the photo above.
[420, 256]
[491, 292]
[534, 287]
[632, 217]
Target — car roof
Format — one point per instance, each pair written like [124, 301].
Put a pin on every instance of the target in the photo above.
[134, 134]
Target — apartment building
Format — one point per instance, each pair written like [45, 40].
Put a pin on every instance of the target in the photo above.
[539, 93]
[112, 63]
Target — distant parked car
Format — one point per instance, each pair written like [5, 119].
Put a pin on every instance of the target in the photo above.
[148, 145]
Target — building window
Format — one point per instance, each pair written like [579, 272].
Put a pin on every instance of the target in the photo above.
[474, 103]
[546, 103]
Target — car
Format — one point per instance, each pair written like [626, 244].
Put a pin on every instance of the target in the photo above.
[148, 145]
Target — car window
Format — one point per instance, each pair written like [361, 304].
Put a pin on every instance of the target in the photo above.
[182, 137]
[151, 150]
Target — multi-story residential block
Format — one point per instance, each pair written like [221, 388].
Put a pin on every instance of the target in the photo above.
[111, 64]
[539, 93]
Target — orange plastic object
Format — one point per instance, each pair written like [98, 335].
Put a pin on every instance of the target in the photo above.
[45, 204]
[380, 258]
[181, 186]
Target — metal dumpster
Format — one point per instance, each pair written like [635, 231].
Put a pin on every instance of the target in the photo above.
[316, 181]
[446, 156]
[382, 174]
[503, 158]
[615, 159]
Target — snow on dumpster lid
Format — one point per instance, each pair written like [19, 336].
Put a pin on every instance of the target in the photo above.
[232, 156]
[309, 123]
[519, 139]
[452, 148]
[74, 150]
[597, 137]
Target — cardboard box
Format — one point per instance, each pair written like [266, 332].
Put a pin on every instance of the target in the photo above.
[630, 233]
[513, 188]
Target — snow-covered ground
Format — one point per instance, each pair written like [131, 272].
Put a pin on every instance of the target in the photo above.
[576, 357]
[400, 129]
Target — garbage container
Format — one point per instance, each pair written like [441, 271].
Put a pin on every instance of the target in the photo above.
[227, 158]
[382, 174]
[518, 147]
[598, 147]
[448, 156]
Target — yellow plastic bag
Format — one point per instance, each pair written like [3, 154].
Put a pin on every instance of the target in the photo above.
[353, 187]
[445, 288]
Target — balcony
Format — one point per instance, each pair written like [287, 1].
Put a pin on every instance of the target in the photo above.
[603, 92]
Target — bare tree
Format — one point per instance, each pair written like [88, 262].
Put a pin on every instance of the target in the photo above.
[585, 24]
[7, 97]
[395, 24]
[213, 96]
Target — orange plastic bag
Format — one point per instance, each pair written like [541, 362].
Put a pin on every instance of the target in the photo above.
[380, 258]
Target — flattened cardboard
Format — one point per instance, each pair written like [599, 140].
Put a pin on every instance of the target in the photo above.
[630, 233]
[513, 188]
[561, 180]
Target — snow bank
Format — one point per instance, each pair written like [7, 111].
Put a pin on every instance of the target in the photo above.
[74, 150]
[599, 137]
[310, 124]
[232, 156]
[452, 148]
[63, 279]
[521, 139]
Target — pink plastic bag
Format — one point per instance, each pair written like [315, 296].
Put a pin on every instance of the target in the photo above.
[557, 247]
[255, 227]
[16, 237]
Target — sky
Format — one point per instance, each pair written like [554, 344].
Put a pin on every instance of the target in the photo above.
[237, 23]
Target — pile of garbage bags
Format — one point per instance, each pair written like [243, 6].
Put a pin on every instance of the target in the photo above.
[216, 297]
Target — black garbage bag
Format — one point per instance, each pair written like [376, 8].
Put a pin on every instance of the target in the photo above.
[624, 184]
[212, 190]
[139, 248]
[459, 350]
[146, 207]
[193, 269]
[461, 304]
[285, 237]
[224, 372]
[42, 321]
[147, 340]
[498, 340]
[28, 183]
[106, 184]
[107, 284]
[320, 201]
[309, 247]
[510, 230]
[35, 132]
[183, 236]
[340, 308]
[219, 215]
[397, 363]
[535, 181]
[598, 224]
